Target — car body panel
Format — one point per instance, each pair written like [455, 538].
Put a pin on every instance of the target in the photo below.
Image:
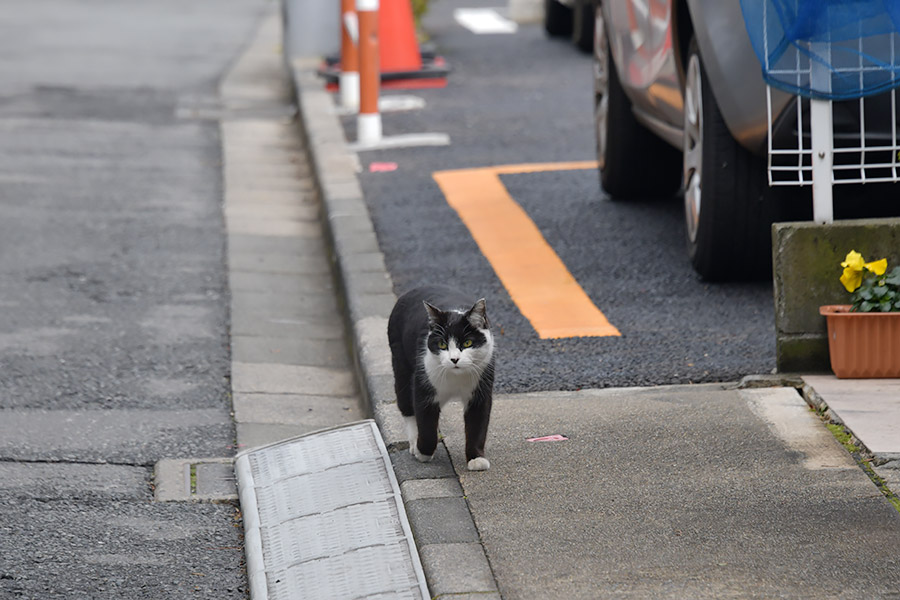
[645, 50]
[640, 37]
[733, 70]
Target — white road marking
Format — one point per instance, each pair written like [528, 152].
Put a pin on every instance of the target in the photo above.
[483, 20]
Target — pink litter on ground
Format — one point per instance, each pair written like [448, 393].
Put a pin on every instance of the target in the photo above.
[382, 167]
[548, 438]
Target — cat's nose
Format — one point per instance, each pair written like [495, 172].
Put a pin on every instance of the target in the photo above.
[454, 360]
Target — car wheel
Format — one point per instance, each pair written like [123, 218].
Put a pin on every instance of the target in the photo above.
[633, 162]
[728, 205]
[557, 19]
[583, 25]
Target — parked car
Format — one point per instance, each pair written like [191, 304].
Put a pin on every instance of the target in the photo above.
[571, 18]
[680, 104]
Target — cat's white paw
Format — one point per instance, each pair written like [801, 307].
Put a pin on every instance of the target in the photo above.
[414, 450]
[479, 463]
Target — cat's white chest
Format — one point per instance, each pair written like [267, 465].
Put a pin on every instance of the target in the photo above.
[450, 384]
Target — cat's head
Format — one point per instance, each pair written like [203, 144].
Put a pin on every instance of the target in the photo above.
[460, 339]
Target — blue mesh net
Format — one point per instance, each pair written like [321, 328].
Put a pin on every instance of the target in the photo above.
[834, 49]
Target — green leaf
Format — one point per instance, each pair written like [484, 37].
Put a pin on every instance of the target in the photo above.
[866, 306]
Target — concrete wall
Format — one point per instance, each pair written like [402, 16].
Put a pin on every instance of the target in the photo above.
[806, 260]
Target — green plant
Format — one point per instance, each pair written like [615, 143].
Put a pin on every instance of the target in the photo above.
[872, 288]
[419, 7]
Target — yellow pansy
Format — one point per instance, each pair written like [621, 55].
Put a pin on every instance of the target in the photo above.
[854, 265]
[851, 279]
[854, 260]
[878, 267]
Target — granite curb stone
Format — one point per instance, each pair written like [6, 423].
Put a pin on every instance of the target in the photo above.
[449, 544]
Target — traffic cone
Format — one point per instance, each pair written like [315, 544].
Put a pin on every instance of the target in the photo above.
[399, 47]
[402, 64]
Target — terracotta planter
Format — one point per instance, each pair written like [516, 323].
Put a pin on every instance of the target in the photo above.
[862, 345]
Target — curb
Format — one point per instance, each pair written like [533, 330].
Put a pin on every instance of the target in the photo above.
[448, 542]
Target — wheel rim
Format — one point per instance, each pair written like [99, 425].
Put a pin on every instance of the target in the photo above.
[601, 84]
[693, 147]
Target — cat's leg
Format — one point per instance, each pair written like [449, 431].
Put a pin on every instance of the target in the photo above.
[412, 432]
[477, 416]
[428, 414]
[403, 384]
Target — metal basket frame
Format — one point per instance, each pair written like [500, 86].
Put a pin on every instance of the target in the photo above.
[821, 163]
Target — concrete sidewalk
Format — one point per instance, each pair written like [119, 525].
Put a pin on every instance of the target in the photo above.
[687, 491]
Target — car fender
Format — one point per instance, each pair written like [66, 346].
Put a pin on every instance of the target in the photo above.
[733, 71]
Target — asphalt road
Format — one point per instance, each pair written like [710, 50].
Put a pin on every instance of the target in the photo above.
[113, 296]
[524, 98]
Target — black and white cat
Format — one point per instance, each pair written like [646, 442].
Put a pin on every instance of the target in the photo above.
[442, 350]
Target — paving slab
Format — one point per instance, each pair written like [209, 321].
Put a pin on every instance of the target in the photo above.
[289, 350]
[675, 492]
[292, 379]
[53, 480]
[278, 283]
[317, 412]
[870, 408]
[139, 437]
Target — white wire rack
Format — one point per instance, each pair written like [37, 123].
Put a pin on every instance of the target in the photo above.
[855, 159]
[822, 142]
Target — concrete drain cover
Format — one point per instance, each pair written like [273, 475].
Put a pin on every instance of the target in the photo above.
[194, 480]
[323, 518]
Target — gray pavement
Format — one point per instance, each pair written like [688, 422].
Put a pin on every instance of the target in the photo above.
[113, 296]
[677, 492]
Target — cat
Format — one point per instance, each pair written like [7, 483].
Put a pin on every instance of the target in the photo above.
[442, 350]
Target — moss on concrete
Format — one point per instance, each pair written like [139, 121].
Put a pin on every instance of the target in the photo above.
[802, 354]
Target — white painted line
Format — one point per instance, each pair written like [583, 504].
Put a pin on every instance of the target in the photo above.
[483, 20]
[408, 140]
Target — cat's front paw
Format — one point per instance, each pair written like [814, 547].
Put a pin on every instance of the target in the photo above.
[414, 450]
[479, 463]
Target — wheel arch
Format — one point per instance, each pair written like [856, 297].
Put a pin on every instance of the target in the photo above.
[731, 65]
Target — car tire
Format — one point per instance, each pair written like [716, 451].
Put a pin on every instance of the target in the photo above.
[583, 25]
[557, 19]
[728, 205]
[633, 162]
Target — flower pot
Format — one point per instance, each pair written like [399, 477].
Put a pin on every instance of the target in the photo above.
[862, 345]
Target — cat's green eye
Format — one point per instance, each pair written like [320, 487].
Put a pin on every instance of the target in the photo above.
[442, 345]
[467, 344]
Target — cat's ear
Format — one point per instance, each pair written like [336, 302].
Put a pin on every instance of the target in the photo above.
[435, 315]
[477, 315]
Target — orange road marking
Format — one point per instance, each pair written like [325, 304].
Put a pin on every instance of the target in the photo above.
[537, 280]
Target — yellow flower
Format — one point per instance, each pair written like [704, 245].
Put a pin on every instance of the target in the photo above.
[854, 260]
[878, 267]
[851, 279]
[854, 264]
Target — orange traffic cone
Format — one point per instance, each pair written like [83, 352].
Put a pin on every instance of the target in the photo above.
[399, 47]
[402, 64]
